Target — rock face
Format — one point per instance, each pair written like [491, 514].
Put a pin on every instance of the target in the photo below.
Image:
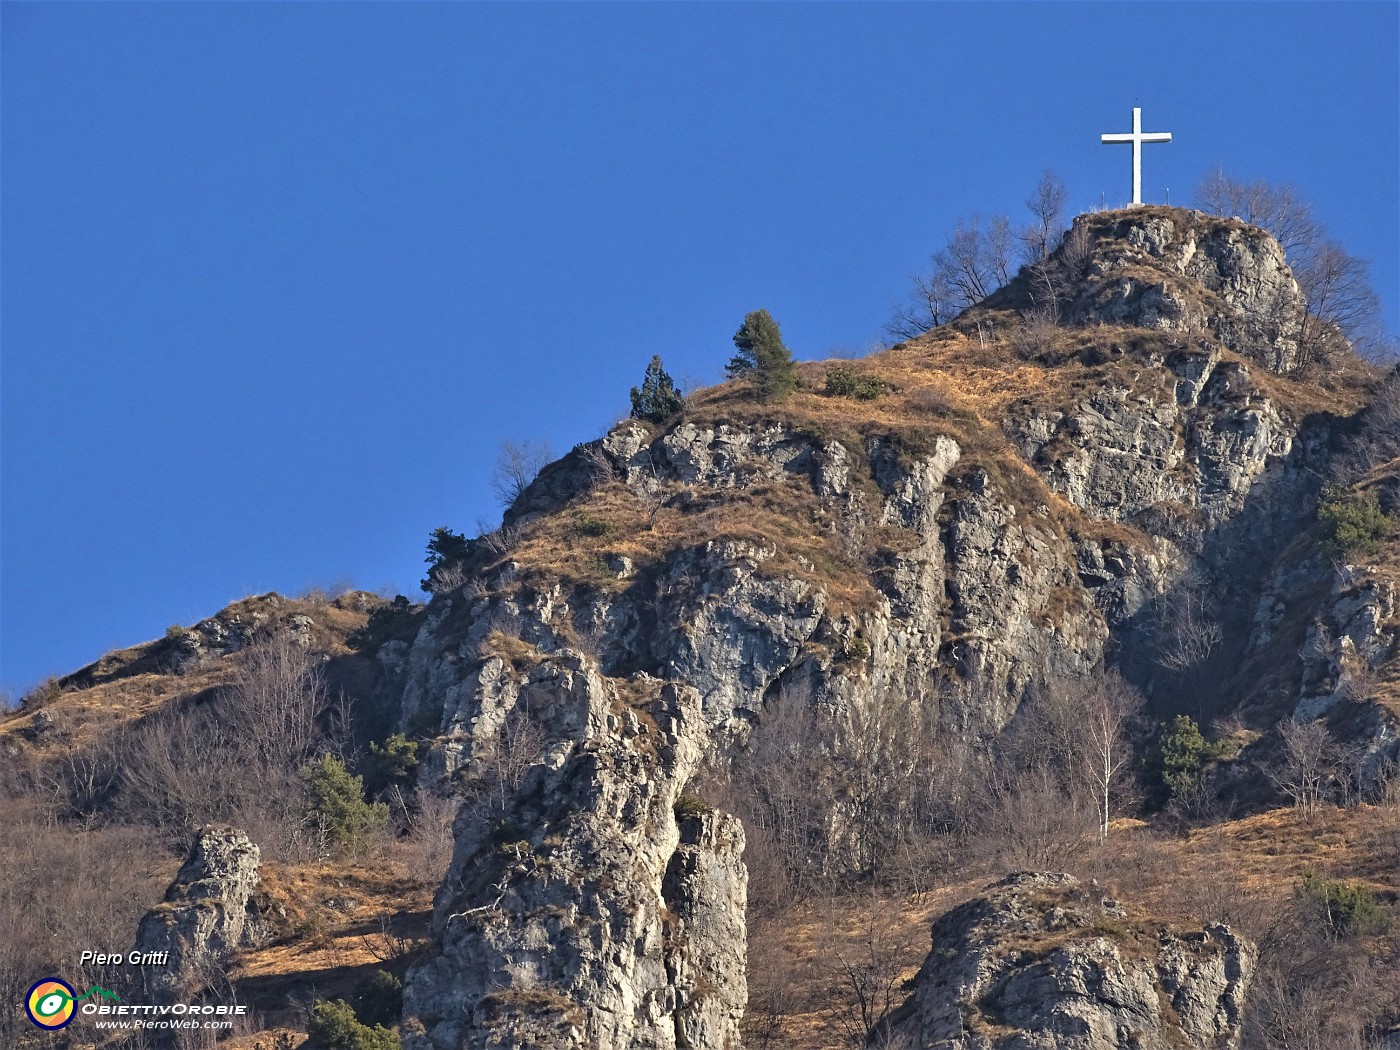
[213, 908]
[1352, 636]
[1200, 439]
[589, 915]
[1040, 961]
[1176, 270]
[950, 565]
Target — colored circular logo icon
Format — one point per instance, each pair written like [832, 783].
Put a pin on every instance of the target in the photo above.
[50, 1003]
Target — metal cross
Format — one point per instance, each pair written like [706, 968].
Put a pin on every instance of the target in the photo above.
[1137, 138]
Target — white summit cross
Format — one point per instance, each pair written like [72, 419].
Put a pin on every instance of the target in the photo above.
[1137, 138]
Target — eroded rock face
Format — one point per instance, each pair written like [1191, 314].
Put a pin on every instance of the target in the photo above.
[1041, 961]
[1351, 637]
[213, 908]
[1176, 270]
[589, 915]
[1196, 437]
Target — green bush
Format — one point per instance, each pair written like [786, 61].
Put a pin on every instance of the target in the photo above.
[690, 806]
[762, 358]
[599, 528]
[856, 651]
[336, 805]
[390, 762]
[334, 1027]
[1179, 757]
[658, 399]
[1352, 522]
[380, 1000]
[398, 619]
[1346, 909]
[845, 380]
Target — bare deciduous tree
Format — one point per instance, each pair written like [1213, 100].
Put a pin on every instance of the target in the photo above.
[1053, 277]
[500, 762]
[1280, 209]
[772, 986]
[1342, 307]
[870, 972]
[1039, 333]
[1032, 818]
[278, 691]
[1109, 706]
[233, 757]
[1306, 765]
[1187, 635]
[1379, 438]
[1047, 204]
[1341, 303]
[931, 303]
[975, 262]
[776, 788]
[599, 464]
[517, 464]
[978, 259]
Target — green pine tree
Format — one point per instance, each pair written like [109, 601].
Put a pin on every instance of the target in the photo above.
[445, 549]
[762, 358]
[1177, 763]
[388, 763]
[658, 399]
[334, 1026]
[336, 804]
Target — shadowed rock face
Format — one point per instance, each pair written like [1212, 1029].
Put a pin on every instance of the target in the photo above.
[1041, 961]
[213, 908]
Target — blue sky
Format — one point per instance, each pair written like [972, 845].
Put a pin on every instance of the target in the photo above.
[279, 279]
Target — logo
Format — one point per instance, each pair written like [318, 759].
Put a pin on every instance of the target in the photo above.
[51, 1003]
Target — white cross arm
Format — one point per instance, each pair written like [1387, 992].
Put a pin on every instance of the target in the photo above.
[1153, 136]
[1143, 137]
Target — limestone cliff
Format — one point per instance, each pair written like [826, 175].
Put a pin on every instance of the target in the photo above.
[999, 516]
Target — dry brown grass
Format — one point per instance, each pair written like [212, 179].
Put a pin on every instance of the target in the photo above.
[805, 946]
[344, 920]
[1240, 871]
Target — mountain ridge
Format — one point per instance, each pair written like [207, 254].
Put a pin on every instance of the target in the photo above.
[1113, 464]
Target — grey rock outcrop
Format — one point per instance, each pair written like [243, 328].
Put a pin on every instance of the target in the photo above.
[1351, 639]
[589, 915]
[214, 907]
[1352, 636]
[1041, 962]
[1196, 436]
[1175, 270]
